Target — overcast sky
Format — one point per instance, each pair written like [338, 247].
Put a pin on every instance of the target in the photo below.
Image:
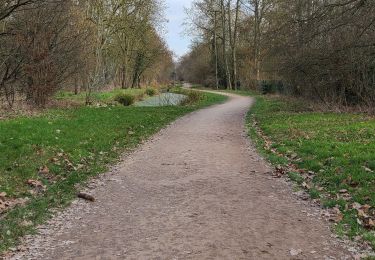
[177, 42]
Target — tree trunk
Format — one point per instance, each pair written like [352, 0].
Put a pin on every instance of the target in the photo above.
[76, 85]
[216, 54]
[234, 46]
[123, 77]
[257, 38]
[225, 57]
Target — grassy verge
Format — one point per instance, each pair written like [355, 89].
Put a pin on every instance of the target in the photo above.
[101, 97]
[333, 154]
[43, 158]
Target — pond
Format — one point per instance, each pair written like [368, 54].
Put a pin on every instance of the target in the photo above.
[164, 99]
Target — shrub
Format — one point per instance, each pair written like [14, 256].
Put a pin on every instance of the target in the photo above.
[266, 87]
[271, 86]
[125, 99]
[192, 97]
[151, 92]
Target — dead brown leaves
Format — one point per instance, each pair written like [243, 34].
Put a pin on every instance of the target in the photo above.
[267, 142]
[365, 215]
[3, 203]
[7, 203]
[37, 186]
[62, 159]
[44, 170]
[279, 171]
[334, 215]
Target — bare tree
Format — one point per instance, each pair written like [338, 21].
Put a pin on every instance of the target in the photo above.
[322, 50]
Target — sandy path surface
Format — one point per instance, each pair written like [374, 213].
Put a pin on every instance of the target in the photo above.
[197, 190]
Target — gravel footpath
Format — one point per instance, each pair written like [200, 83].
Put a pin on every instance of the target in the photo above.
[197, 190]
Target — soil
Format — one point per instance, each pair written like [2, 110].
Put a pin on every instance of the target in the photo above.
[197, 190]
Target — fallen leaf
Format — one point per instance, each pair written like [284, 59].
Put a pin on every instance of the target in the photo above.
[3, 195]
[337, 218]
[54, 159]
[366, 208]
[38, 185]
[367, 169]
[361, 213]
[70, 165]
[356, 205]
[80, 166]
[294, 156]
[306, 186]
[2, 205]
[34, 183]
[44, 170]
[370, 223]
[279, 171]
[337, 215]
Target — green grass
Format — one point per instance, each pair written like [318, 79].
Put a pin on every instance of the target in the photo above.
[75, 144]
[339, 148]
[105, 97]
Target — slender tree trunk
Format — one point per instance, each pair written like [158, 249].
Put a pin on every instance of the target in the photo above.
[230, 37]
[75, 85]
[126, 61]
[123, 77]
[216, 54]
[256, 39]
[225, 57]
[234, 45]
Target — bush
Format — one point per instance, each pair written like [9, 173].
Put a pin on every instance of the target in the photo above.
[125, 99]
[271, 86]
[151, 92]
[193, 97]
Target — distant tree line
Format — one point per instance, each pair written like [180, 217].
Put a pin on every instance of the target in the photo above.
[319, 49]
[84, 45]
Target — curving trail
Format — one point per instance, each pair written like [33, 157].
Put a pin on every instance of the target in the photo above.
[197, 190]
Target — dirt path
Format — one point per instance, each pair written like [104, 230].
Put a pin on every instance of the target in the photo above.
[196, 191]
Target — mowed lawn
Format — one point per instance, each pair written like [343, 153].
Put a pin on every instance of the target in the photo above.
[338, 147]
[43, 158]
